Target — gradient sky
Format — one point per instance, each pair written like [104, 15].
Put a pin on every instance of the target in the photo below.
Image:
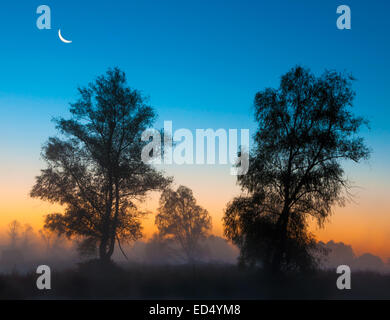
[201, 63]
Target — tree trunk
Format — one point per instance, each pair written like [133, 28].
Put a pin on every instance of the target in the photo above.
[111, 246]
[104, 243]
[281, 239]
[103, 251]
[113, 230]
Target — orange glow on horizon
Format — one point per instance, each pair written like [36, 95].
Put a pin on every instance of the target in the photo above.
[356, 224]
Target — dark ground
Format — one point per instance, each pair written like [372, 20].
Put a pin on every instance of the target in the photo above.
[187, 282]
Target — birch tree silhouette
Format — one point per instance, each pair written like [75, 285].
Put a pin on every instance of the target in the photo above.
[306, 129]
[94, 169]
[181, 219]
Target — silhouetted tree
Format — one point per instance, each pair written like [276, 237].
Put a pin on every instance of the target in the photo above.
[180, 218]
[54, 242]
[95, 169]
[87, 247]
[27, 236]
[46, 236]
[161, 250]
[14, 229]
[305, 131]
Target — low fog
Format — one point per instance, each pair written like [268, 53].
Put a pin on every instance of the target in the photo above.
[22, 249]
[340, 253]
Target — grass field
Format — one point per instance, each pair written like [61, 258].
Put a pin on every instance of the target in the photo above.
[190, 282]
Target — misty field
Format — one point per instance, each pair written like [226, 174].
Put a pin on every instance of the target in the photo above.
[89, 281]
[99, 170]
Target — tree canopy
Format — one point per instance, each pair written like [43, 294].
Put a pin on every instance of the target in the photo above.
[94, 167]
[305, 130]
[181, 219]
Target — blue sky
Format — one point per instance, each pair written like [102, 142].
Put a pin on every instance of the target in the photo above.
[200, 62]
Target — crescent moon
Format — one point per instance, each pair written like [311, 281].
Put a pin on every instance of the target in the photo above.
[62, 38]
